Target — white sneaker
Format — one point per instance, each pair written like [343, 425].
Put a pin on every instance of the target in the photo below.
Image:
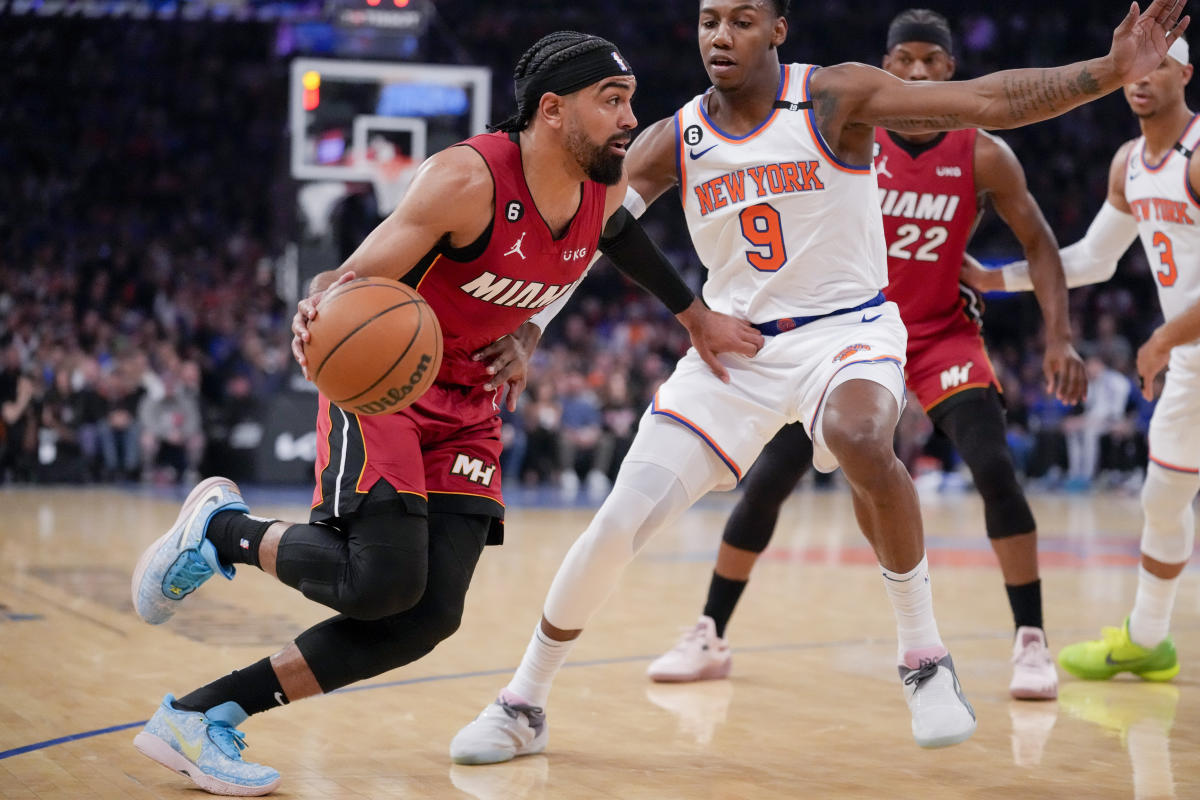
[507, 728]
[941, 715]
[699, 656]
[1034, 675]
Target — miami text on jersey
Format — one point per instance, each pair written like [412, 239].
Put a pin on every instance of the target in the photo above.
[766, 179]
[507, 292]
[914, 205]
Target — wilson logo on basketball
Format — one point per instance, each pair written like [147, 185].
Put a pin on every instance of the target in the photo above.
[397, 393]
[849, 351]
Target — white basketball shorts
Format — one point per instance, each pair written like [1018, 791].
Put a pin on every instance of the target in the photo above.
[1175, 425]
[788, 380]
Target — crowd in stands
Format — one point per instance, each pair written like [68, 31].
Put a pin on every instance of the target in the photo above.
[145, 195]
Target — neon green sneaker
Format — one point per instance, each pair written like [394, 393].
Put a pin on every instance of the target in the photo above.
[1115, 652]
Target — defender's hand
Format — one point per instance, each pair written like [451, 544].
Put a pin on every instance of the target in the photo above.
[979, 277]
[1141, 41]
[508, 360]
[714, 333]
[1152, 358]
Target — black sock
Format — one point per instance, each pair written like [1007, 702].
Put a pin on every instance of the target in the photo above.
[1026, 602]
[723, 595]
[236, 535]
[255, 688]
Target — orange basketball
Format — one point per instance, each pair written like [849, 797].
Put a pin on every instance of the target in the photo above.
[374, 347]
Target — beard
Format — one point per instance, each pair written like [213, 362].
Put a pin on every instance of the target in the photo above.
[597, 162]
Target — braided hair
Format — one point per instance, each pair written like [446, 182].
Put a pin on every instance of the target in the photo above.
[547, 55]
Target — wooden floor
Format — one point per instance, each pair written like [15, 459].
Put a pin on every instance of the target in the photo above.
[814, 708]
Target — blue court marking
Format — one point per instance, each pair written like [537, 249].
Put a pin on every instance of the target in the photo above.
[1102, 546]
[454, 676]
[29, 748]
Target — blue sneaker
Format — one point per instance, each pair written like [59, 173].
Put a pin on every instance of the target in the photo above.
[182, 559]
[206, 748]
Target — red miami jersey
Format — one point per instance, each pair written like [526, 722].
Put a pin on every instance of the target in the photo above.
[443, 451]
[929, 211]
[516, 268]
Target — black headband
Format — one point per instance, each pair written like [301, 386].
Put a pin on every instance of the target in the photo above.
[565, 78]
[918, 32]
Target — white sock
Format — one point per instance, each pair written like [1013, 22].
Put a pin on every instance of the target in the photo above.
[912, 603]
[1151, 618]
[543, 659]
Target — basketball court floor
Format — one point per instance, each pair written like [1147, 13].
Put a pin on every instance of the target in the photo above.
[814, 708]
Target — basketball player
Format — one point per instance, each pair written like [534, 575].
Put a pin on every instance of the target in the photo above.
[1153, 193]
[778, 188]
[489, 232]
[928, 184]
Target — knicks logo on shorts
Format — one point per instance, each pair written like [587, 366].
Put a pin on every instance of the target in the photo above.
[849, 351]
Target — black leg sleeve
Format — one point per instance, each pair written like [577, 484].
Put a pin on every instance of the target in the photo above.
[774, 475]
[341, 650]
[372, 565]
[974, 421]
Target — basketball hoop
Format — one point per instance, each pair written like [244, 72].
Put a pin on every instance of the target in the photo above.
[390, 179]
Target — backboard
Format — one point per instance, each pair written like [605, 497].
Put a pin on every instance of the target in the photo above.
[344, 115]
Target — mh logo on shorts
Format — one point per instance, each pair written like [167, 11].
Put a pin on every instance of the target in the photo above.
[956, 375]
[473, 469]
[849, 351]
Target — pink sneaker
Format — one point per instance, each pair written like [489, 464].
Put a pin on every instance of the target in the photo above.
[1034, 674]
[699, 656]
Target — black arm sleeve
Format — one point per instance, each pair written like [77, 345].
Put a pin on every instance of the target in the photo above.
[631, 250]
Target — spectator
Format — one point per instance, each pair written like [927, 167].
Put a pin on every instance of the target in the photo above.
[1103, 413]
[172, 439]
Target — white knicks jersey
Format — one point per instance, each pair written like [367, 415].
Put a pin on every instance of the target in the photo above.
[1168, 219]
[784, 227]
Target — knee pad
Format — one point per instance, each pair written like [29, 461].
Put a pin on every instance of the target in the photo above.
[375, 567]
[1169, 530]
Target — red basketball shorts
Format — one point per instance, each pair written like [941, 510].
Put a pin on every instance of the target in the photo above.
[952, 361]
[440, 454]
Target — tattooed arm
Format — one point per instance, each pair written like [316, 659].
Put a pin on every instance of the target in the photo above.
[851, 98]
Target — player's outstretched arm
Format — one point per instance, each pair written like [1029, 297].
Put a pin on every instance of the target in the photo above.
[1093, 259]
[450, 196]
[998, 174]
[849, 94]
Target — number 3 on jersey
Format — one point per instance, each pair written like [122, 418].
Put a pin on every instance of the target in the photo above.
[761, 227]
[1167, 274]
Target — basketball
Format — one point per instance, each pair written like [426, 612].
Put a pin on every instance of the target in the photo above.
[375, 346]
